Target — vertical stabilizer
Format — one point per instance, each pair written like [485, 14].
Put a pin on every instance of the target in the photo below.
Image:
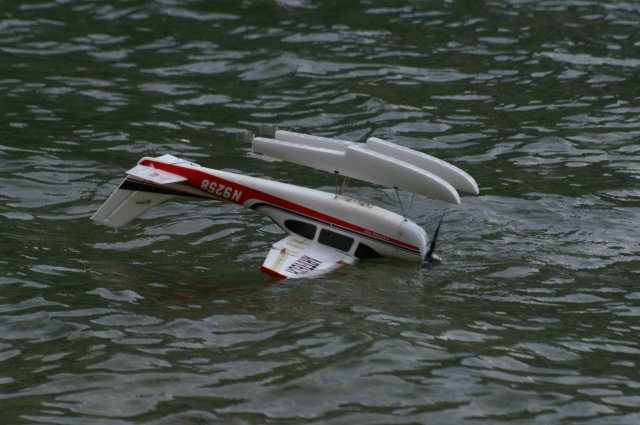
[126, 203]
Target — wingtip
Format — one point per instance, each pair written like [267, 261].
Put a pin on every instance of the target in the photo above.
[271, 272]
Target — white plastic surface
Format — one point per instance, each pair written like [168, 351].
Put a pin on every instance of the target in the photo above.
[125, 205]
[377, 162]
[295, 257]
[155, 175]
[448, 172]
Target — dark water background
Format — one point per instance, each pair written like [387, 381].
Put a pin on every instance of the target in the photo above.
[531, 318]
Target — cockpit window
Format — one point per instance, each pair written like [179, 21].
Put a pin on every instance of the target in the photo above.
[365, 251]
[335, 240]
[301, 228]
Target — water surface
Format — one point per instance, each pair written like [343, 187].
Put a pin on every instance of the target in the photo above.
[532, 317]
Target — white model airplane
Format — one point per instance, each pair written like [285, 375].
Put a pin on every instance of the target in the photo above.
[325, 230]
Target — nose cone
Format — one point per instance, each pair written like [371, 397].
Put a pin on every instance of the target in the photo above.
[415, 235]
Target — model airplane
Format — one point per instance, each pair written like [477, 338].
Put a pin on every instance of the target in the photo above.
[324, 230]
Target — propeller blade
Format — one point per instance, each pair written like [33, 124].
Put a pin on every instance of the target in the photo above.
[432, 247]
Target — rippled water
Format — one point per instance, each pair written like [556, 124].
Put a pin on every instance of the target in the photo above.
[532, 317]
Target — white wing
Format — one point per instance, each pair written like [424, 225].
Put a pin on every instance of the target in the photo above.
[295, 257]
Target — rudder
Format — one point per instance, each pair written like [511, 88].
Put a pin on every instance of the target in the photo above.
[127, 203]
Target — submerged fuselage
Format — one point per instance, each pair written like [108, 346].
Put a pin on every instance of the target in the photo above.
[355, 228]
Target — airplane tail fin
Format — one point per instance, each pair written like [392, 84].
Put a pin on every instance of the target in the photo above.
[144, 188]
[127, 202]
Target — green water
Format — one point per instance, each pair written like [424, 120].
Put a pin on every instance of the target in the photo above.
[531, 317]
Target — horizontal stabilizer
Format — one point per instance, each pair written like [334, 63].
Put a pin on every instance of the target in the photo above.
[144, 188]
[155, 175]
[295, 257]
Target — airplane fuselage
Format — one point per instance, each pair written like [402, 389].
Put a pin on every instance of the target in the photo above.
[354, 227]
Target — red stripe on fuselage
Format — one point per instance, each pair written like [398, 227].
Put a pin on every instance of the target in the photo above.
[196, 177]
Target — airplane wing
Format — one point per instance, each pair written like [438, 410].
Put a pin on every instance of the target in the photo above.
[295, 257]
